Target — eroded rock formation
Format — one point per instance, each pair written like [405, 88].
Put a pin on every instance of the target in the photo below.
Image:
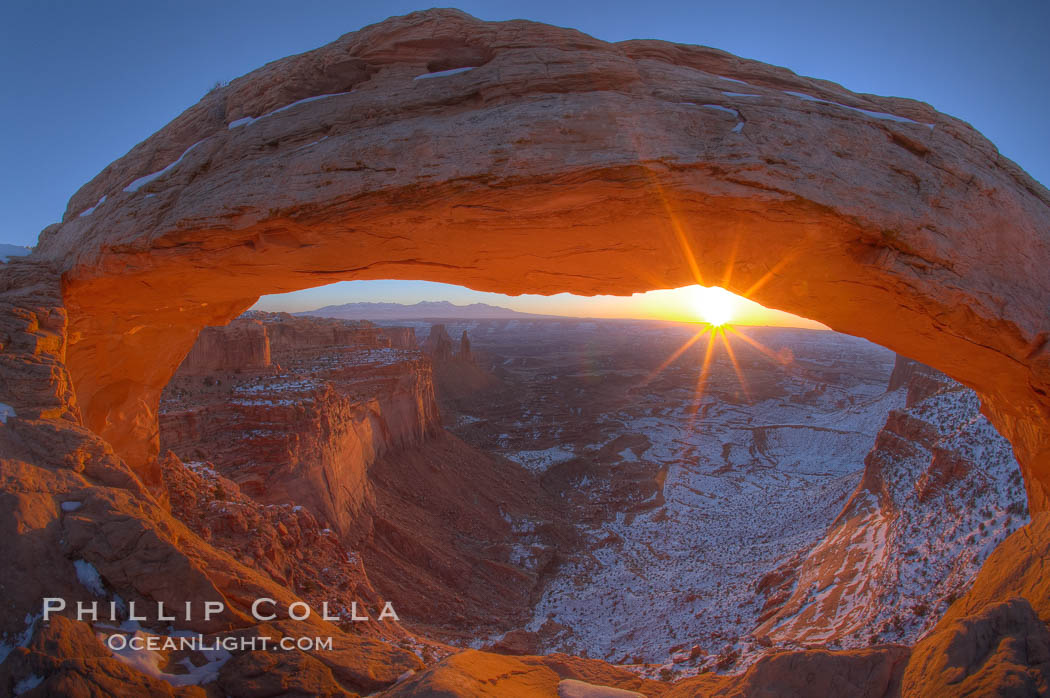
[340, 445]
[306, 430]
[940, 490]
[286, 543]
[401, 337]
[456, 373]
[556, 163]
[464, 348]
[438, 345]
[243, 345]
[537, 171]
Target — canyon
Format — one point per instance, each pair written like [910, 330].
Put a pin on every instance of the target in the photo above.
[714, 505]
[354, 396]
[344, 426]
[558, 162]
[671, 501]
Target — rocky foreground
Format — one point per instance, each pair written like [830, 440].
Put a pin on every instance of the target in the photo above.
[691, 533]
[557, 162]
[206, 537]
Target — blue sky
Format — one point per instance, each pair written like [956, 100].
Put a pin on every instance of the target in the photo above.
[85, 81]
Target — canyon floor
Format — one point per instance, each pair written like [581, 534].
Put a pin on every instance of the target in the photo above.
[687, 489]
[662, 496]
[687, 484]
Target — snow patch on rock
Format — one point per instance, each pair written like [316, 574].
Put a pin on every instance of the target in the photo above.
[143, 181]
[443, 73]
[89, 577]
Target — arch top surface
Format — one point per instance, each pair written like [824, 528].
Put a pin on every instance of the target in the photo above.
[557, 162]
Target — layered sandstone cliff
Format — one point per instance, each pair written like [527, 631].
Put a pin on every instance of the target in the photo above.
[244, 345]
[401, 337]
[438, 344]
[306, 430]
[344, 432]
[940, 490]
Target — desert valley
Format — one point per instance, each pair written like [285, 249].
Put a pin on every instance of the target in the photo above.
[388, 499]
[668, 497]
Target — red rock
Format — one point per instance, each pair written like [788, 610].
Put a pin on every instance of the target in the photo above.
[866, 231]
[292, 335]
[308, 430]
[1015, 568]
[945, 468]
[921, 380]
[287, 544]
[872, 673]
[348, 434]
[464, 348]
[559, 163]
[401, 337]
[937, 466]
[241, 345]
[438, 344]
[279, 674]
[442, 540]
[1004, 650]
[471, 673]
[68, 660]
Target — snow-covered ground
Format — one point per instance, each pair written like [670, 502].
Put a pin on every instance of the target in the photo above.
[948, 491]
[745, 486]
[691, 494]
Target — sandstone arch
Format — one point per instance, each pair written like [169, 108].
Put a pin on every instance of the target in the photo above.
[559, 163]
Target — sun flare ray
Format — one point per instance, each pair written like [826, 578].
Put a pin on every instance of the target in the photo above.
[761, 347]
[673, 357]
[767, 276]
[701, 381]
[736, 365]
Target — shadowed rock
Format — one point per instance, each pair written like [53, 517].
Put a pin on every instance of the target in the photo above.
[1002, 651]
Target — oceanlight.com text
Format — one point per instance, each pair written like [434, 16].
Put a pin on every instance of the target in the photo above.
[119, 642]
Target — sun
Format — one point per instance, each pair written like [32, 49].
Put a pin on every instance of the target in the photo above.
[714, 305]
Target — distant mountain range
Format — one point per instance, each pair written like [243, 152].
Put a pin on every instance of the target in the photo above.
[419, 311]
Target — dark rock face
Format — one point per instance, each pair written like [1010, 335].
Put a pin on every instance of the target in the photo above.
[870, 673]
[1002, 651]
[464, 348]
[920, 380]
[438, 345]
